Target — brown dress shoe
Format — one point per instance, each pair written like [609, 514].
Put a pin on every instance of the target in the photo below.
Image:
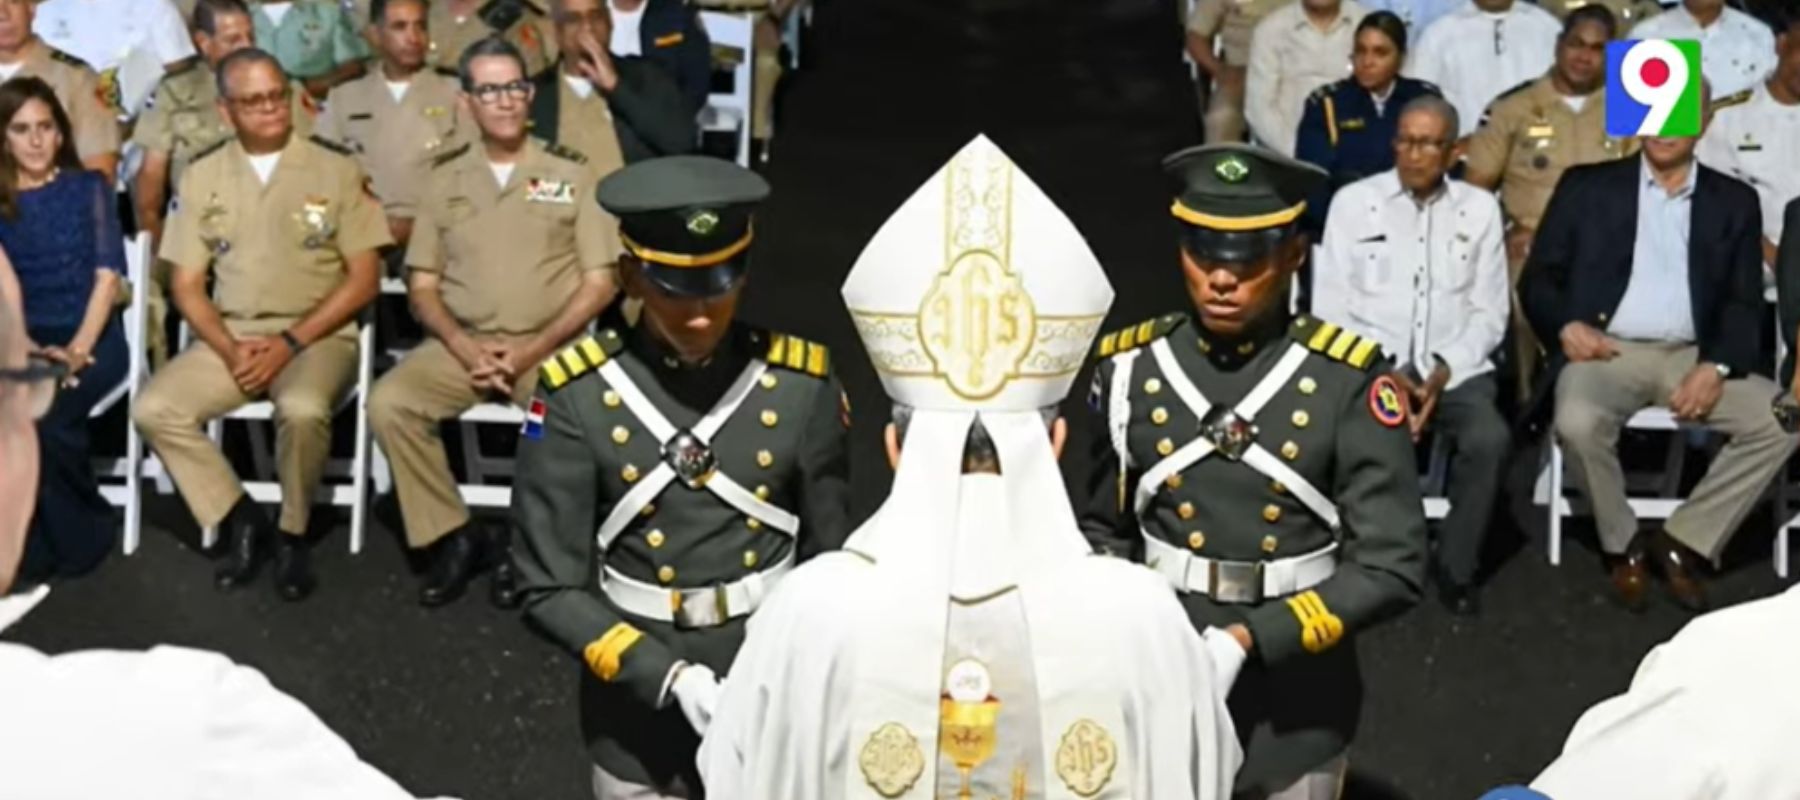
[1681, 567]
[1630, 579]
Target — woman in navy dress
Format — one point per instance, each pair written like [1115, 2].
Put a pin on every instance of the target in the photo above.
[59, 228]
[1348, 126]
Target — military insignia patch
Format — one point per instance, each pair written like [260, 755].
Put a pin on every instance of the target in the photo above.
[891, 760]
[1385, 402]
[1232, 169]
[703, 223]
[534, 419]
[544, 190]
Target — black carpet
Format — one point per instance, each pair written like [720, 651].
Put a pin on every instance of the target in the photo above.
[1087, 97]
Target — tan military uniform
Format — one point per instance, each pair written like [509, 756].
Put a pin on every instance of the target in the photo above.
[1627, 12]
[510, 258]
[1231, 21]
[586, 126]
[77, 87]
[1528, 137]
[275, 251]
[451, 35]
[395, 140]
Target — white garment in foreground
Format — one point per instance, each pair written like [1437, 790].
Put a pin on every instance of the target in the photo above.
[1713, 714]
[166, 724]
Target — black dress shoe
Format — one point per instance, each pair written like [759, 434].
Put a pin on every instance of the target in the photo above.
[247, 547]
[1459, 600]
[455, 562]
[1681, 569]
[1630, 578]
[293, 569]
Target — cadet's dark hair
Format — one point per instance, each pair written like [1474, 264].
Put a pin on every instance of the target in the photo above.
[1595, 13]
[378, 9]
[208, 12]
[1387, 22]
[979, 452]
[487, 47]
[244, 58]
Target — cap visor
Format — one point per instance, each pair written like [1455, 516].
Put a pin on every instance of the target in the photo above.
[697, 281]
[1233, 247]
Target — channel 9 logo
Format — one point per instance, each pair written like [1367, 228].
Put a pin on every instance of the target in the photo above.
[1653, 87]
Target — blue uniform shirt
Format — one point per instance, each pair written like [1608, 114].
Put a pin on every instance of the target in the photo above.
[1351, 136]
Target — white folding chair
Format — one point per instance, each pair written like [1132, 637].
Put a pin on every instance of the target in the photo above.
[121, 478]
[729, 112]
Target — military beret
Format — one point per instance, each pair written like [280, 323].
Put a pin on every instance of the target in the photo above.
[1236, 201]
[687, 218]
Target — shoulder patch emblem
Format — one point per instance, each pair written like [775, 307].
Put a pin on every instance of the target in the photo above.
[1139, 335]
[534, 419]
[1333, 342]
[799, 355]
[576, 359]
[1385, 403]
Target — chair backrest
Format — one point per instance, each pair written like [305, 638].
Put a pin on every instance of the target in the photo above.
[137, 271]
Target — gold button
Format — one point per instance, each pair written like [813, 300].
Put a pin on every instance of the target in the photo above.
[767, 380]
[1308, 386]
[1278, 487]
[1271, 513]
[648, 509]
[765, 459]
[762, 492]
[621, 435]
[1196, 540]
[769, 418]
[629, 473]
[749, 558]
[1152, 386]
[1159, 416]
[1246, 349]
[655, 538]
[753, 523]
[1269, 544]
[667, 574]
[1302, 419]
[1185, 510]
[1290, 451]
[1173, 481]
[1205, 346]
[611, 399]
[1165, 447]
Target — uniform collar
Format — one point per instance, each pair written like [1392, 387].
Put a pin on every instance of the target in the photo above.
[660, 357]
[1347, 14]
[1234, 351]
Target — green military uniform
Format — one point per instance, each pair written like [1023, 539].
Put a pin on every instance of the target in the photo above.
[1269, 476]
[705, 481]
[312, 39]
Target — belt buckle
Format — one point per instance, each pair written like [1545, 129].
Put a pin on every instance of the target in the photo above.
[705, 607]
[1236, 581]
[1229, 433]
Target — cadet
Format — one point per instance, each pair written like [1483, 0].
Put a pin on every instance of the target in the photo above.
[1229, 21]
[1535, 131]
[76, 85]
[1262, 463]
[288, 234]
[617, 110]
[314, 39]
[1628, 12]
[709, 456]
[399, 116]
[502, 274]
[181, 120]
[456, 24]
[1750, 137]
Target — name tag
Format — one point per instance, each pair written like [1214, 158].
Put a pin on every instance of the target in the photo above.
[671, 40]
[539, 190]
[1540, 131]
[1353, 124]
[1749, 147]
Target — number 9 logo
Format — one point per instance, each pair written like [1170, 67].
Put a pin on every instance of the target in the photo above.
[1653, 88]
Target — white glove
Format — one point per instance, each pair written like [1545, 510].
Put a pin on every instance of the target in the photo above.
[1227, 658]
[696, 688]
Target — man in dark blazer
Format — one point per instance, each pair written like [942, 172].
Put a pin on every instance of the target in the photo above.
[615, 110]
[1646, 280]
[669, 35]
[1787, 285]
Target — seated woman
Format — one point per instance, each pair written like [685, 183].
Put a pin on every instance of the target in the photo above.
[60, 232]
[1348, 126]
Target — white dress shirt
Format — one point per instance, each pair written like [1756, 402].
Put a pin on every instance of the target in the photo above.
[1427, 281]
[1658, 306]
[1758, 143]
[103, 32]
[1736, 51]
[1290, 57]
[628, 30]
[1473, 55]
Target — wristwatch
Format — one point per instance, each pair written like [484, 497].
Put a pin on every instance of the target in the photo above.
[292, 341]
[1724, 371]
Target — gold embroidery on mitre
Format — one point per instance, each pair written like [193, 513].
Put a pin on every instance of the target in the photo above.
[1086, 758]
[891, 760]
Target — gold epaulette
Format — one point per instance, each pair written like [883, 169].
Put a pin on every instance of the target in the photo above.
[450, 155]
[1319, 628]
[330, 145]
[576, 359]
[1336, 343]
[1730, 100]
[564, 153]
[800, 355]
[1138, 335]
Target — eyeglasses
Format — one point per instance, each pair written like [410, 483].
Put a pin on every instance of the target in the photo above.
[265, 102]
[40, 377]
[1421, 145]
[489, 93]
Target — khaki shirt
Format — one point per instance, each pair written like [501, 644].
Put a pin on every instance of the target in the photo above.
[1231, 21]
[1289, 58]
[586, 126]
[451, 35]
[182, 118]
[511, 257]
[395, 141]
[1530, 135]
[77, 87]
[1627, 12]
[276, 251]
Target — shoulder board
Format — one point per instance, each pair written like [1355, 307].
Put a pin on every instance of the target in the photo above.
[65, 58]
[330, 145]
[1139, 335]
[1336, 343]
[210, 149]
[1318, 95]
[450, 155]
[448, 72]
[575, 360]
[186, 67]
[800, 355]
[1730, 100]
[567, 154]
[1526, 84]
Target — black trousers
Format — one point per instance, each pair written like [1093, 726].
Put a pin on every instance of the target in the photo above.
[72, 528]
[1480, 442]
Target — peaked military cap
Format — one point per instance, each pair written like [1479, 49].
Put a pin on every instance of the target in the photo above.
[687, 218]
[1237, 201]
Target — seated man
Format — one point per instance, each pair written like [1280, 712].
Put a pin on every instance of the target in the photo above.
[1647, 273]
[615, 109]
[950, 651]
[287, 233]
[1418, 261]
[666, 33]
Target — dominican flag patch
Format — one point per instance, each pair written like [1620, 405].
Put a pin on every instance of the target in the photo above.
[534, 420]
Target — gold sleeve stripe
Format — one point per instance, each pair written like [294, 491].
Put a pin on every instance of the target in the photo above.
[603, 654]
[1359, 356]
[591, 349]
[815, 359]
[1108, 343]
[1322, 336]
[572, 360]
[1145, 330]
[1340, 346]
[777, 348]
[1127, 339]
[796, 354]
[1319, 628]
[554, 374]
